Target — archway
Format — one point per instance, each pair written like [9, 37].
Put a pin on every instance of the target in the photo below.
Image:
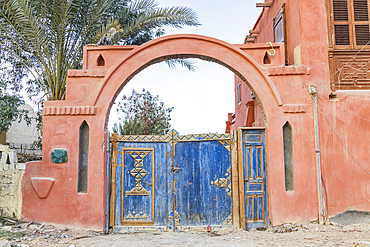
[189, 46]
[89, 96]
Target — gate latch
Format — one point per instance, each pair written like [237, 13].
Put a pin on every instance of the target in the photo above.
[175, 169]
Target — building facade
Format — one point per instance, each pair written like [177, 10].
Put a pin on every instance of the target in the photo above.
[301, 79]
[331, 38]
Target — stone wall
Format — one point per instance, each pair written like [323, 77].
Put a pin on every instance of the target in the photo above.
[10, 182]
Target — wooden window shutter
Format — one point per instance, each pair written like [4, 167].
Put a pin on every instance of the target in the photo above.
[341, 23]
[342, 34]
[362, 34]
[361, 22]
[279, 30]
[350, 23]
[340, 10]
[279, 27]
[350, 30]
[360, 9]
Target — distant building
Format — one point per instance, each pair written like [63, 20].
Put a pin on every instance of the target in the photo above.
[20, 136]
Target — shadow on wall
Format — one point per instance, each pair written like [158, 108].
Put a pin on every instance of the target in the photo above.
[352, 217]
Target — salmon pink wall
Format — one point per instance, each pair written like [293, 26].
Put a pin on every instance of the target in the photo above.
[281, 95]
[346, 177]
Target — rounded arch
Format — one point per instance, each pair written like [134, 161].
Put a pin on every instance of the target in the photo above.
[188, 46]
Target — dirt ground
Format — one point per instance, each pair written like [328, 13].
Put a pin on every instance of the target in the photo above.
[36, 234]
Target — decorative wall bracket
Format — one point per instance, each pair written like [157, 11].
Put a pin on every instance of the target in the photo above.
[42, 186]
[294, 108]
[225, 182]
[69, 110]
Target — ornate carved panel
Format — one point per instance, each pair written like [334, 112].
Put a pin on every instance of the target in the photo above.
[350, 72]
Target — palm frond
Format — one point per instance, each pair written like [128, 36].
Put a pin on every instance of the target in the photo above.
[46, 37]
[184, 62]
[144, 17]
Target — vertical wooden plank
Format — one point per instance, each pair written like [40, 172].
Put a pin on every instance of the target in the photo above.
[235, 179]
[241, 178]
[113, 179]
[107, 175]
[264, 172]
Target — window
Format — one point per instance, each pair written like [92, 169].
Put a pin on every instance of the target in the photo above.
[288, 157]
[239, 94]
[83, 158]
[279, 30]
[100, 61]
[350, 23]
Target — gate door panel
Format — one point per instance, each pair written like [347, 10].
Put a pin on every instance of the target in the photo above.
[140, 179]
[254, 166]
[138, 190]
[171, 182]
[203, 183]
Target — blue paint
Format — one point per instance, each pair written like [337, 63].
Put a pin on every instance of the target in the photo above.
[255, 186]
[137, 207]
[200, 202]
[254, 163]
[118, 195]
[201, 192]
[140, 207]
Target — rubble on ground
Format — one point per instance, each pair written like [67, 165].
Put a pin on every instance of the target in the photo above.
[14, 232]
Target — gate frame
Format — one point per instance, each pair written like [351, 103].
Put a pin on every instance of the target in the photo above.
[90, 93]
[174, 139]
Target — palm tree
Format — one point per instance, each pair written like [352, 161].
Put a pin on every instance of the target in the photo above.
[46, 37]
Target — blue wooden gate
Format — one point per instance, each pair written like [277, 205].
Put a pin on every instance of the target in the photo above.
[253, 158]
[171, 182]
[202, 177]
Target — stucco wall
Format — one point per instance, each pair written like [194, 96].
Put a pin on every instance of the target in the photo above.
[241, 109]
[346, 177]
[344, 140]
[282, 91]
[293, 24]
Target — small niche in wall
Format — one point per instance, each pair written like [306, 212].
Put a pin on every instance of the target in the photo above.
[267, 59]
[101, 61]
[288, 157]
[83, 158]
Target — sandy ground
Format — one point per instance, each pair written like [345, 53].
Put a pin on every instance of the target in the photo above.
[287, 235]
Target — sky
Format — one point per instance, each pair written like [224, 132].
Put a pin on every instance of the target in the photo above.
[201, 99]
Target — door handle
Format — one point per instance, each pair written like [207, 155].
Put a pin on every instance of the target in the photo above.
[175, 169]
[246, 180]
